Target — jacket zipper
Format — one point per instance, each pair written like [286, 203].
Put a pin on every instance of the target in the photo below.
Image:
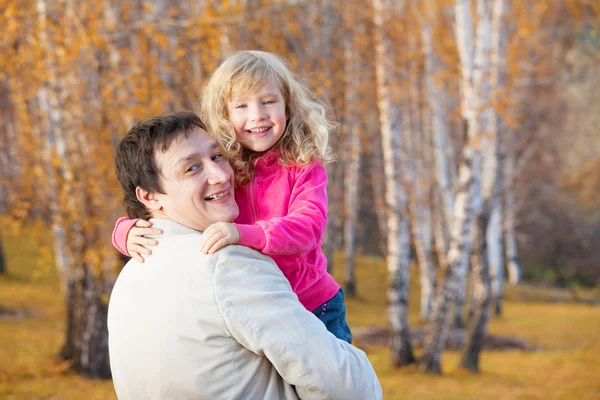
[252, 204]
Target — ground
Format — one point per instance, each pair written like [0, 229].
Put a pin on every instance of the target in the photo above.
[565, 333]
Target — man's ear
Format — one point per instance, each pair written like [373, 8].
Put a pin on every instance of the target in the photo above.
[150, 200]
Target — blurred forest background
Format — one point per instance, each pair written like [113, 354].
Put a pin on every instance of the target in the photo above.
[468, 163]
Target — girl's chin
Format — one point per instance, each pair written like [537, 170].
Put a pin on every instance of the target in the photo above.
[260, 150]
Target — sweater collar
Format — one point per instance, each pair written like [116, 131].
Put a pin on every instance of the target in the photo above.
[170, 227]
[270, 157]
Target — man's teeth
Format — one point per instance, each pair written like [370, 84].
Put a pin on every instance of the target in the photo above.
[217, 196]
[258, 130]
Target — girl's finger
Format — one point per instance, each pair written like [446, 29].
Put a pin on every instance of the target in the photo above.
[205, 237]
[145, 231]
[141, 249]
[136, 256]
[218, 245]
[142, 223]
[210, 243]
[139, 240]
[150, 242]
[137, 231]
[207, 245]
[206, 240]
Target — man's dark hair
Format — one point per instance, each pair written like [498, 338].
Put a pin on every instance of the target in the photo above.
[135, 163]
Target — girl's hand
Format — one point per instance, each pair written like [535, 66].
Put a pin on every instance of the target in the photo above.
[218, 235]
[136, 242]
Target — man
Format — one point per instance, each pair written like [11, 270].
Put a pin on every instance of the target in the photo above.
[185, 325]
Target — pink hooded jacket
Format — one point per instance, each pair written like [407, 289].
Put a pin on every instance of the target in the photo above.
[283, 214]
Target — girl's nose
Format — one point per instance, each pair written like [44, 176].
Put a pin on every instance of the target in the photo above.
[258, 113]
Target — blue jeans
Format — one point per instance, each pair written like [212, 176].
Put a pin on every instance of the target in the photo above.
[333, 314]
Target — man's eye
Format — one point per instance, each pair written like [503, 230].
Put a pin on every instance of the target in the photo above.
[191, 168]
[269, 102]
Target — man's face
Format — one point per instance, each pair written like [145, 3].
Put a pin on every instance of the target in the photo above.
[197, 181]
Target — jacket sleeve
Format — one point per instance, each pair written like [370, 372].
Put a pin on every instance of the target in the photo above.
[264, 315]
[302, 229]
[119, 235]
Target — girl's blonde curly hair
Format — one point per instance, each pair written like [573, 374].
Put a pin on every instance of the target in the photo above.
[308, 126]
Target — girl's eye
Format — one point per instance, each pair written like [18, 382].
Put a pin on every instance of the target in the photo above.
[217, 157]
[269, 102]
[240, 106]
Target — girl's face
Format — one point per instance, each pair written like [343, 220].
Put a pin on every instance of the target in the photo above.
[259, 119]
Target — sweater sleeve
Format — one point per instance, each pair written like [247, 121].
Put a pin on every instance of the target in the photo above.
[264, 315]
[302, 229]
[119, 235]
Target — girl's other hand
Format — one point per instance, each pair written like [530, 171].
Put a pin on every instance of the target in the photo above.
[137, 244]
[219, 234]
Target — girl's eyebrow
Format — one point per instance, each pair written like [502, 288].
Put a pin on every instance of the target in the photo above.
[243, 99]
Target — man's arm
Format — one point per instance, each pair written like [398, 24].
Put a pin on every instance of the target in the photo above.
[264, 315]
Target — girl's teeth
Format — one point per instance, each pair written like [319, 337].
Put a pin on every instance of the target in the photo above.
[261, 130]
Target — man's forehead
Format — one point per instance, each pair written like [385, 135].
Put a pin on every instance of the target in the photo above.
[196, 143]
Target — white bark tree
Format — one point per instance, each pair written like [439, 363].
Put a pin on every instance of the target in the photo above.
[84, 261]
[510, 241]
[493, 174]
[484, 276]
[417, 180]
[376, 170]
[352, 147]
[397, 223]
[473, 52]
[2, 258]
[495, 248]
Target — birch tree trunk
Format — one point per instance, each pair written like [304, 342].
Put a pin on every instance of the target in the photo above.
[86, 338]
[2, 258]
[332, 237]
[54, 145]
[478, 320]
[418, 182]
[486, 231]
[512, 260]
[398, 234]
[498, 132]
[376, 170]
[473, 65]
[335, 171]
[443, 197]
[496, 254]
[8, 146]
[351, 150]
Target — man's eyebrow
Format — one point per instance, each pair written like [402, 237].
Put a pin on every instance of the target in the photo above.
[211, 147]
[186, 159]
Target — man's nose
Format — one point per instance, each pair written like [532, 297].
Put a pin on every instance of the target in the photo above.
[217, 174]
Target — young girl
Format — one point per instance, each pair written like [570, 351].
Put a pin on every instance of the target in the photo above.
[275, 133]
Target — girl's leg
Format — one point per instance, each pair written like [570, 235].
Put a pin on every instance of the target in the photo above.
[333, 314]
